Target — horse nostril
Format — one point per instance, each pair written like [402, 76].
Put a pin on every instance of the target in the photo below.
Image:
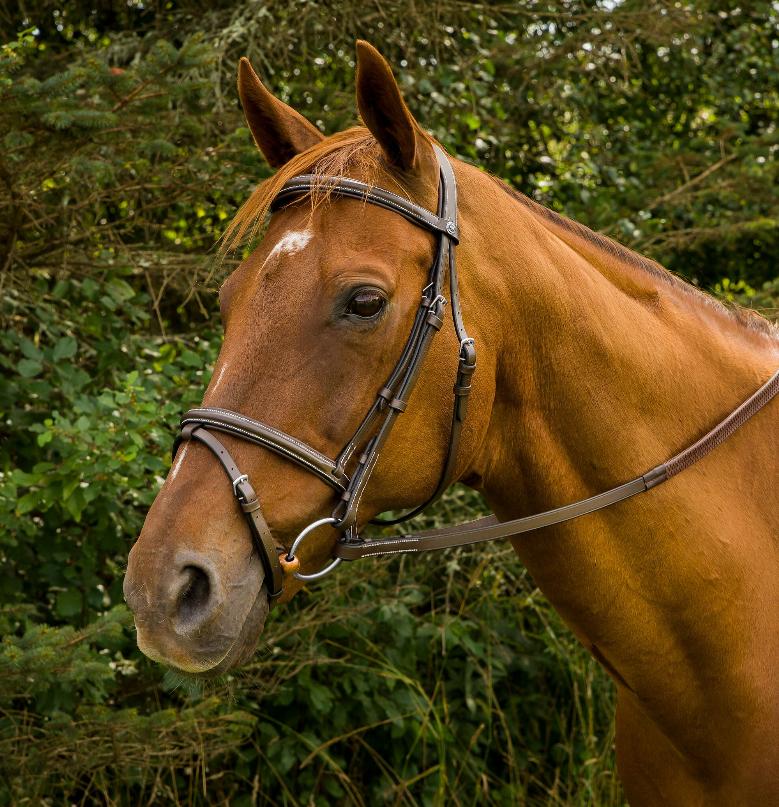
[196, 592]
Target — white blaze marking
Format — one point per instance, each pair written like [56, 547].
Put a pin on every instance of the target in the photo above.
[221, 373]
[181, 453]
[291, 243]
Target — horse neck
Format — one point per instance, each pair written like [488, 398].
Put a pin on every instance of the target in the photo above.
[602, 370]
[605, 365]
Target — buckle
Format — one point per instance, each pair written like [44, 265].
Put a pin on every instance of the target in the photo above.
[467, 355]
[239, 481]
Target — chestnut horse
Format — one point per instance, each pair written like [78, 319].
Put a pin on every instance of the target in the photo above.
[594, 365]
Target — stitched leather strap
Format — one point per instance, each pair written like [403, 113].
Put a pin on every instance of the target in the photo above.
[734, 421]
[483, 529]
[462, 389]
[261, 434]
[354, 189]
[489, 529]
[447, 210]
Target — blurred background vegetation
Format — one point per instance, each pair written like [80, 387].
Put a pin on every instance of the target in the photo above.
[445, 680]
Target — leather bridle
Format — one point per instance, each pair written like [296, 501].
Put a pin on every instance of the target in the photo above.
[392, 400]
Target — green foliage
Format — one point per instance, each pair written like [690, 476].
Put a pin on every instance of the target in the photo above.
[441, 680]
[652, 122]
[72, 727]
[56, 668]
[88, 409]
[100, 164]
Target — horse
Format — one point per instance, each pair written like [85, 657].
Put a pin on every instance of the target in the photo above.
[594, 364]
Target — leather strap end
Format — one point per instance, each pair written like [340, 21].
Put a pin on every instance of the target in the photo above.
[184, 434]
[273, 599]
[385, 396]
[251, 505]
[466, 369]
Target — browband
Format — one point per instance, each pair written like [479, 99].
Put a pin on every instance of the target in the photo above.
[306, 184]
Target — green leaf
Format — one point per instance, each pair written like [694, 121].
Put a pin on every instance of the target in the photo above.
[69, 603]
[76, 504]
[191, 359]
[321, 698]
[136, 438]
[29, 368]
[29, 350]
[60, 289]
[473, 121]
[25, 480]
[44, 437]
[28, 502]
[70, 486]
[65, 348]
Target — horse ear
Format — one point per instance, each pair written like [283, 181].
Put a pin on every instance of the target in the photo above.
[383, 110]
[279, 132]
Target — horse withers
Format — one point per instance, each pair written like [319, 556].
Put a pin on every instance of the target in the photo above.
[595, 364]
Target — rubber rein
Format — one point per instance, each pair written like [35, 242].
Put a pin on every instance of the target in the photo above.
[392, 400]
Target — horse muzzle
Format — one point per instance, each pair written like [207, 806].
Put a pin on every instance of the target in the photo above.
[197, 614]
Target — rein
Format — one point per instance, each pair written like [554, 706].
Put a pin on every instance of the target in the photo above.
[392, 400]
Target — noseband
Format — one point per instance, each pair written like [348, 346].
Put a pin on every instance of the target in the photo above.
[392, 400]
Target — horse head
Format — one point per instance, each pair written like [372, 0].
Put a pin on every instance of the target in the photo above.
[315, 319]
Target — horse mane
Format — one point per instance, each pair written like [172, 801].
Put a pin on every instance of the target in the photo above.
[356, 148]
[746, 317]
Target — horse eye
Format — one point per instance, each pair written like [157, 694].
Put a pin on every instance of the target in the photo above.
[366, 304]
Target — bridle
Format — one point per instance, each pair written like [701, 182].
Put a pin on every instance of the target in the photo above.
[392, 400]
